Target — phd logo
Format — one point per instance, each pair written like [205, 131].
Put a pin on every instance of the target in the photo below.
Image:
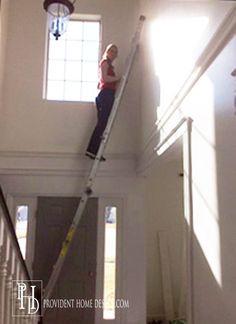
[26, 301]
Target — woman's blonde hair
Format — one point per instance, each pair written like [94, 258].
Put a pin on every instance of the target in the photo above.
[104, 56]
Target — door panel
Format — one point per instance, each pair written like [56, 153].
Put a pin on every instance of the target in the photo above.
[78, 276]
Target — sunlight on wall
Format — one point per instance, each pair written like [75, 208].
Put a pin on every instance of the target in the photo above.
[173, 41]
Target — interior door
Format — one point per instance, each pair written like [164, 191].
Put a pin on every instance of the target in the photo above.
[78, 276]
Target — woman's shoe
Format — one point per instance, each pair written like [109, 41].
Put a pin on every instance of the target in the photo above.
[93, 156]
[90, 155]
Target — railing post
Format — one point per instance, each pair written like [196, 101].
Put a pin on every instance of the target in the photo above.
[188, 211]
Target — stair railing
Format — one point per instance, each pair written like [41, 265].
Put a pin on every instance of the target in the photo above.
[12, 269]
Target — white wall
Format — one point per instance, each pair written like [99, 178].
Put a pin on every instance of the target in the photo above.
[4, 5]
[211, 105]
[164, 216]
[213, 111]
[29, 123]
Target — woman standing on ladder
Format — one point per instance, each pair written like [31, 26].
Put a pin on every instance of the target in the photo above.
[104, 101]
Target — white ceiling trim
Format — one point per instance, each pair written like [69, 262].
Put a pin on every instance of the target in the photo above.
[63, 164]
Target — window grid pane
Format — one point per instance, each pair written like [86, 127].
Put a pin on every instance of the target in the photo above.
[72, 72]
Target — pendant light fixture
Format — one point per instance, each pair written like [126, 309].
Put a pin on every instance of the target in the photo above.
[58, 15]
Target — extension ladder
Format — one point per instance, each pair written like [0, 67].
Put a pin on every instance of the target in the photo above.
[88, 187]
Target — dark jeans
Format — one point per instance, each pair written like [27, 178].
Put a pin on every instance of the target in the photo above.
[104, 102]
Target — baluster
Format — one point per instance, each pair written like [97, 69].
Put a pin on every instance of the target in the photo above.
[17, 302]
[8, 313]
[27, 319]
[3, 276]
[34, 318]
[14, 291]
[23, 312]
[37, 320]
[1, 234]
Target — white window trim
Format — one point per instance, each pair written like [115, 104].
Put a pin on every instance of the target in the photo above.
[31, 202]
[77, 17]
[102, 204]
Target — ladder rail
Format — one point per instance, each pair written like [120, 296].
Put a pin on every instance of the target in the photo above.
[116, 103]
[92, 174]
